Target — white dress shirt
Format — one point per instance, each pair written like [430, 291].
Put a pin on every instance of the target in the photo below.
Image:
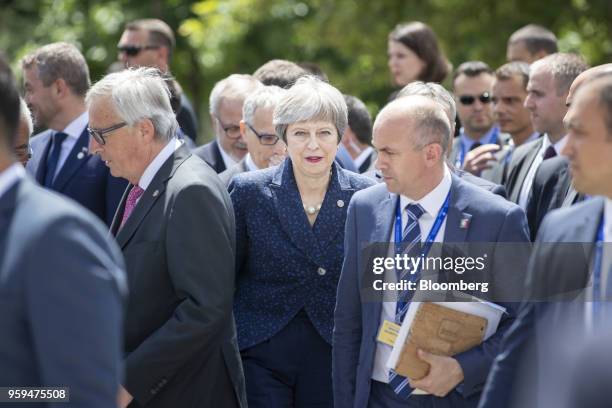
[250, 164]
[227, 159]
[528, 183]
[158, 161]
[10, 176]
[73, 130]
[431, 203]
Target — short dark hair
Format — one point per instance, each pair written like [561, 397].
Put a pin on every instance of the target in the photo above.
[472, 69]
[159, 32]
[536, 38]
[422, 40]
[60, 60]
[359, 119]
[281, 73]
[513, 69]
[9, 105]
[314, 69]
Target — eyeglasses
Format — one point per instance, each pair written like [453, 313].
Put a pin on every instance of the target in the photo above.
[266, 139]
[231, 131]
[134, 50]
[98, 134]
[470, 99]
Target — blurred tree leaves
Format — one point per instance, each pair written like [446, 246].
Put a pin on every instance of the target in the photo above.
[346, 37]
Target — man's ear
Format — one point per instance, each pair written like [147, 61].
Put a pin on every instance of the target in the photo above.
[60, 88]
[433, 154]
[147, 130]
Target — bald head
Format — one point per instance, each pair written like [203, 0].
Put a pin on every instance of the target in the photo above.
[586, 76]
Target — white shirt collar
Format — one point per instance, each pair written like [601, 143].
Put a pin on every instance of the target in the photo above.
[558, 146]
[608, 220]
[158, 161]
[250, 164]
[227, 159]
[10, 176]
[432, 201]
[76, 127]
[363, 156]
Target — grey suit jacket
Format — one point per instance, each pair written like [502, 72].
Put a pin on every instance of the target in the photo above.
[238, 168]
[522, 159]
[179, 247]
[62, 288]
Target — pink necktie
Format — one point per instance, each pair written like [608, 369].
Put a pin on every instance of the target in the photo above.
[132, 198]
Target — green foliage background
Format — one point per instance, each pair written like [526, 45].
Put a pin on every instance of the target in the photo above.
[346, 37]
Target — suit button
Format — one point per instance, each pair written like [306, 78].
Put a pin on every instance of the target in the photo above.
[321, 271]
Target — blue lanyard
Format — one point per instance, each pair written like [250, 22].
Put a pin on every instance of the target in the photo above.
[432, 233]
[462, 152]
[597, 263]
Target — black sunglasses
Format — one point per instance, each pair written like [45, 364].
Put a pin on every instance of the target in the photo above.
[266, 139]
[98, 134]
[470, 99]
[134, 50]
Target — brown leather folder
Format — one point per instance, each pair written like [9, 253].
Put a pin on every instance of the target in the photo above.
[438, 330]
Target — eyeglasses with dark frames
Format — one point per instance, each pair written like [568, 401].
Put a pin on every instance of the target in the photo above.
[134, 50]
[266, 139]
[231, 131]
[470, 99]
[98, 134]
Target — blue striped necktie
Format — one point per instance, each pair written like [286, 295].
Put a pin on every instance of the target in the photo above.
[412, 240]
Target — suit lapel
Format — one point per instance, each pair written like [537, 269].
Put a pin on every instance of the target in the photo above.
[332, 217]
[153, 192]
[527, 162]
[290, 211]
[458, 219]
[77, 157]
[119, 212]
[219, 162]
[41, 168]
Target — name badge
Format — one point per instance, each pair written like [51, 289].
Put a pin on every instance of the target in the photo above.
[388, 333]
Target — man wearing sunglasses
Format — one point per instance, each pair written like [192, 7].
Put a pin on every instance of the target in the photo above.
[56, 78]
[226, 100]
[472, 83]
[264, 147]
[150, 43]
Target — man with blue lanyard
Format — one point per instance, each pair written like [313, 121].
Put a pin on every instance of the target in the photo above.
[472, 85]
[421, 202]
[554, 330]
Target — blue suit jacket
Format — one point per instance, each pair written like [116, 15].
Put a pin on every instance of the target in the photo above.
[283, 264]
[558, 266]
[61, 297]
[370, 219]
[83, 177]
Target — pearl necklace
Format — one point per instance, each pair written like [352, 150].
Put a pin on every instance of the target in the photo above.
[312, 210]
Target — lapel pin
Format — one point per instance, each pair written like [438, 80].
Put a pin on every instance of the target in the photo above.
[155, 193]
[464, 223]
[340, 203]
[80, 155]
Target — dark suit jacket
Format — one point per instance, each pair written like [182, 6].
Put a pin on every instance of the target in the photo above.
[357, 319]
[83, 177]
[186, 119]
[179, 246]
[522, 158]
[482, 183]
[551, 189]
[503, 139]
[238, 168]
[62, 288]
[558, 271]
[211, 154]
[285, 265]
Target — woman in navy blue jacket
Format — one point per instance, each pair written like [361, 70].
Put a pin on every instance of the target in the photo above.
[290, 246]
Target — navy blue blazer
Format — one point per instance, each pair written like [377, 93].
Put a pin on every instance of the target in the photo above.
[558, 266]
[62, 287]
[283, 264]
[83, 177]
[369, 220]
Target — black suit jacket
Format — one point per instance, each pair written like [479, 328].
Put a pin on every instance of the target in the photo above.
[522, 158]
[83, 177]
[551, 189]
[179, 248]
[186, 119]
[211, 154]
